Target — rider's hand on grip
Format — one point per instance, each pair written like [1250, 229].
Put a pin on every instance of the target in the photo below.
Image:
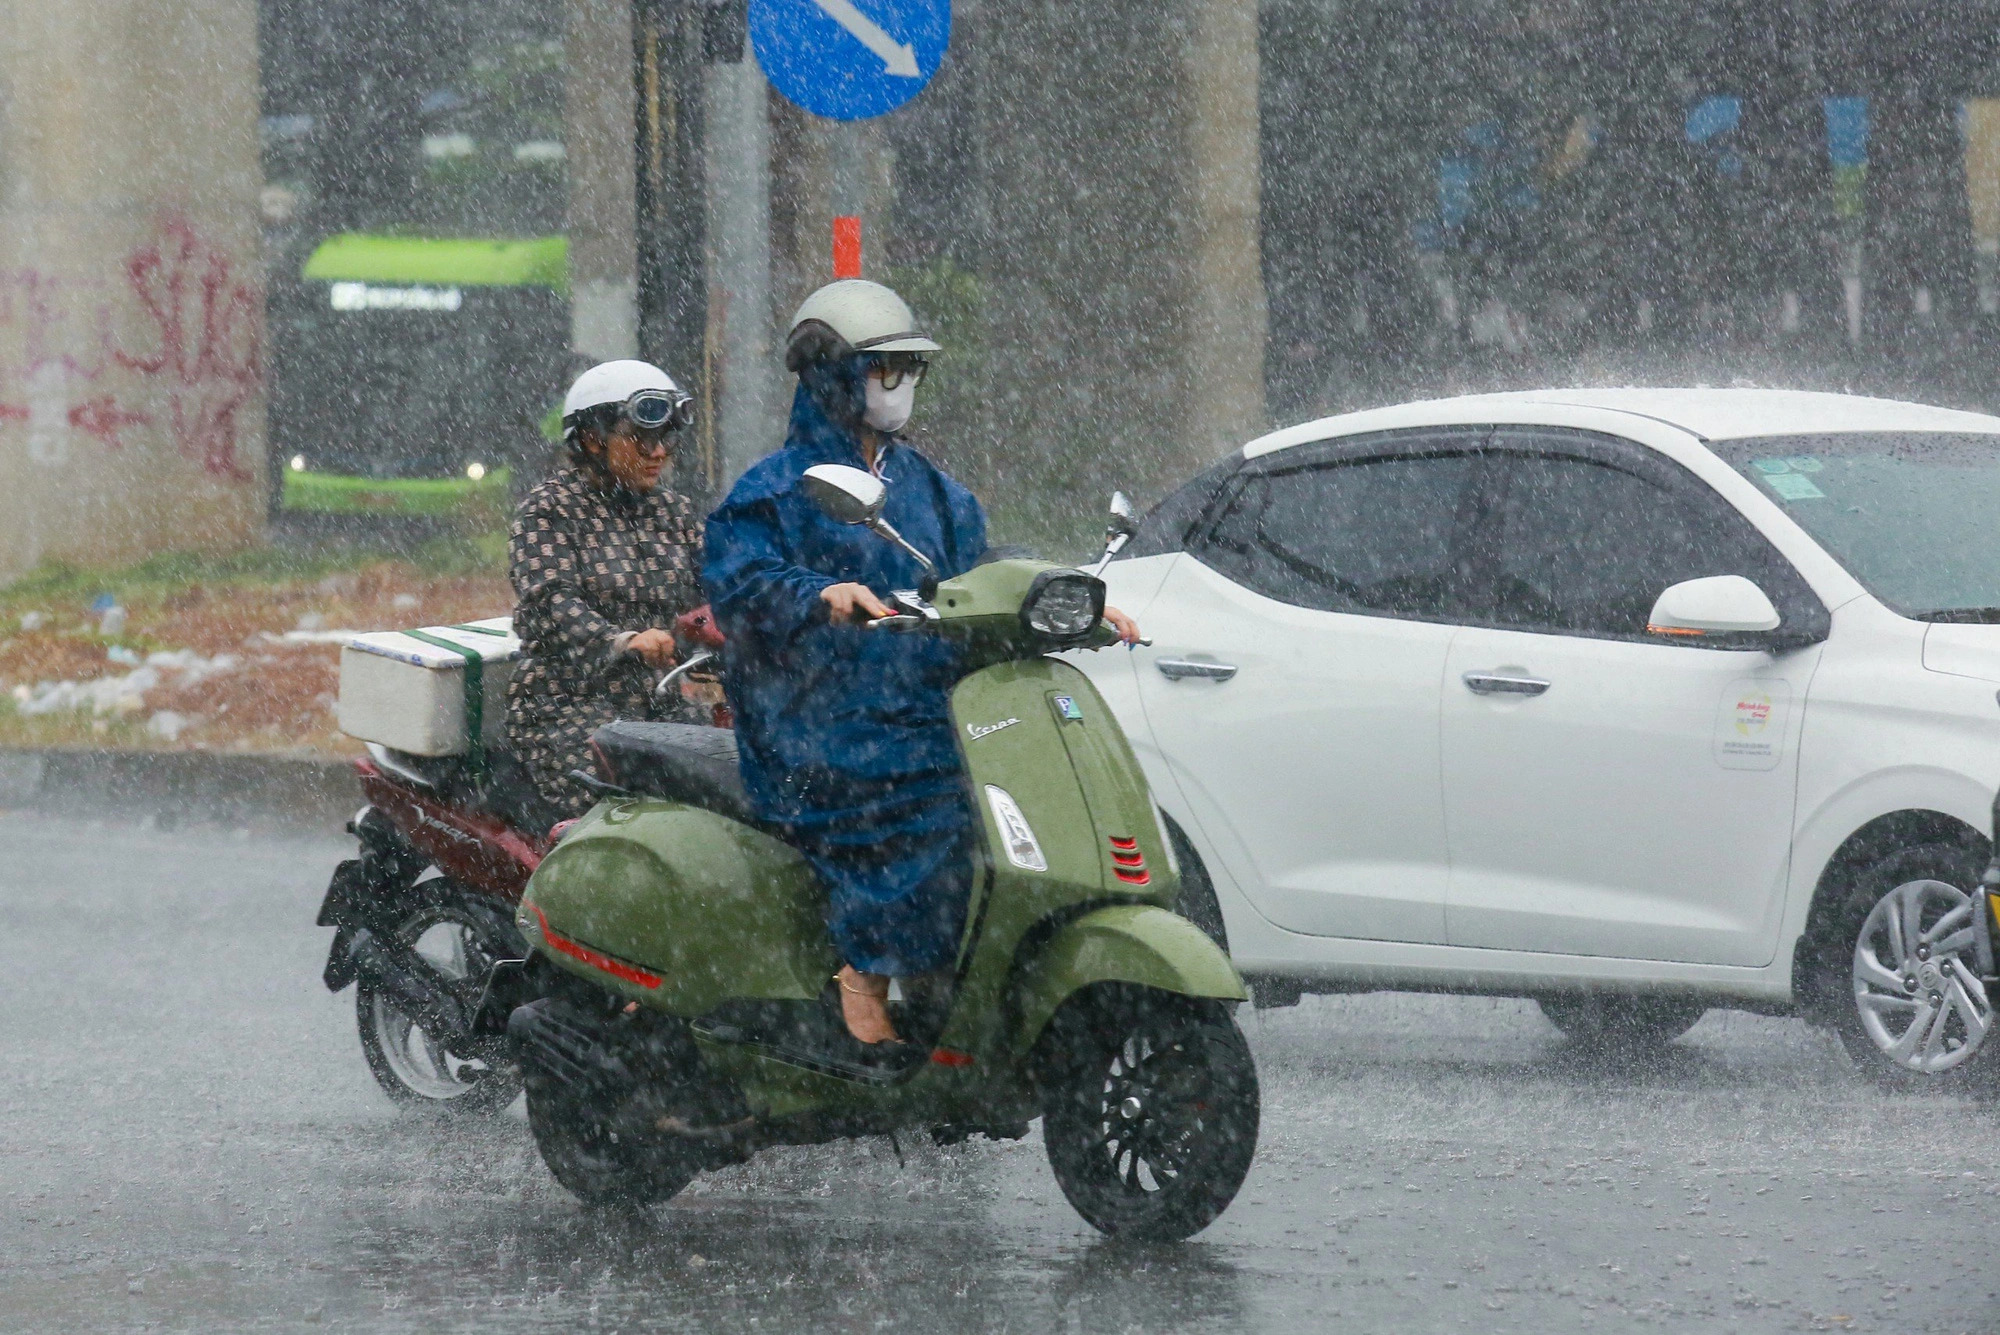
[655, 647]
[853, 602]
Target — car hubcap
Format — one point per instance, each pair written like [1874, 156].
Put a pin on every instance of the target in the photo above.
[1921, 1003]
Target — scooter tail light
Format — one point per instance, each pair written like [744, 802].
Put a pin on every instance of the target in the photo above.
[596, 959]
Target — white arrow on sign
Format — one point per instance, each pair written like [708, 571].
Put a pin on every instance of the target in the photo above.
[898, 58]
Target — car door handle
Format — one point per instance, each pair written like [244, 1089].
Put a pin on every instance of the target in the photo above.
[1503, 683]
[1174, 669]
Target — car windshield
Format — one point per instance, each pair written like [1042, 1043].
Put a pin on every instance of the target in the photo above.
[1910, 514]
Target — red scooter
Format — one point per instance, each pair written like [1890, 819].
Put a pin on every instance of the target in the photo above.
[424, 916]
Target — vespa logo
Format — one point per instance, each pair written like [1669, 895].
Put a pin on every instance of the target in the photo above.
[979, 730]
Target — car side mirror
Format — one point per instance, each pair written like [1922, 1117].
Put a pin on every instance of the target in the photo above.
[845, 495]
[1717, 607]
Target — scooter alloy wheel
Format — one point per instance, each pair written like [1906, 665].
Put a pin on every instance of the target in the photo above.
[1917, 995]
[416, 1068]
[1150, 1110]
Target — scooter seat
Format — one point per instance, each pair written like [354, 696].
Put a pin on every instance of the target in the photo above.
[681, 762]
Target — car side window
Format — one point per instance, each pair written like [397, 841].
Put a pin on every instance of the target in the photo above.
[1166, 527]
[1374, 535]
[1585, 546]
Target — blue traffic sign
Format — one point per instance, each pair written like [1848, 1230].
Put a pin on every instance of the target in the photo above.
[848, 60]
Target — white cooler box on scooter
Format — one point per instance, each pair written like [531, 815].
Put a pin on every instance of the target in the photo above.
[411, 689]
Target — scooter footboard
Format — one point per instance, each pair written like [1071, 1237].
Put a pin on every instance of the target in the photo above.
[1126, 943]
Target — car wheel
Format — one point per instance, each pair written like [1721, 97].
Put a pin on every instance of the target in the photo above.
[1897, 979]
[1197, 902]
[1621, 1024]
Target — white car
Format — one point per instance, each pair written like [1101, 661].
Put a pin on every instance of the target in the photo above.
[1636, 702]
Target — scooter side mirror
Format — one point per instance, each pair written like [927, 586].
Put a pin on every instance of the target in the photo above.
[1118, 530]
[854, 496]
[845, 495]
[1124, 522]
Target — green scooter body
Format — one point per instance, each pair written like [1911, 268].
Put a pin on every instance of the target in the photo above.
[683, 910]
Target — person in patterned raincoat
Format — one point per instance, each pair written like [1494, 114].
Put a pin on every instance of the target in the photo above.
[602, 559]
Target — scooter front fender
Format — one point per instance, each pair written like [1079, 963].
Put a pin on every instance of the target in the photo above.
[1126, 943]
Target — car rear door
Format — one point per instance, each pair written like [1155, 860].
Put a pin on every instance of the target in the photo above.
[1293, 681]
[1610, 792]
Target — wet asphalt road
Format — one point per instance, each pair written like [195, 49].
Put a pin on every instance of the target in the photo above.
[189, 1141]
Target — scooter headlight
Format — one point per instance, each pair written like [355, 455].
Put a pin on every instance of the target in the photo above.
[1064, 605]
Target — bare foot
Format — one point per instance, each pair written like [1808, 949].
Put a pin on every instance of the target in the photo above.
[864, 1004]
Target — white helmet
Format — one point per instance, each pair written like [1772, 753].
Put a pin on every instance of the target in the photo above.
[849, 316]
[642, 390]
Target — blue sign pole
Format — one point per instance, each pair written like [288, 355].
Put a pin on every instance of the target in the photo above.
[849, 60]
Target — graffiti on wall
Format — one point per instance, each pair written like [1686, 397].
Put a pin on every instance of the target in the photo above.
[171, 344]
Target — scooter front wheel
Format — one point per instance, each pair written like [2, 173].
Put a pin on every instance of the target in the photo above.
[1149, 1109]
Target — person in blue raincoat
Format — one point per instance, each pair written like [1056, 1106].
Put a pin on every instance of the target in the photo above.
[845, 737]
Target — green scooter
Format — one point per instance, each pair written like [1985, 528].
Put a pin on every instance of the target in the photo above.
[689, 1019]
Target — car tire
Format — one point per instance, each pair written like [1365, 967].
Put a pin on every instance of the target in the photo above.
[1197, 902]
[1621, 1024]
[1927, 881]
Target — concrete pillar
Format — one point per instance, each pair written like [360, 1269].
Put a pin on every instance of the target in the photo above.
[1120, 147]
[1226, 336]
[599, 105]
[131, 290]
[739, 230]
[801, 207]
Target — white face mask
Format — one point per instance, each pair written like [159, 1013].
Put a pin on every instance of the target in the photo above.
[889, 409]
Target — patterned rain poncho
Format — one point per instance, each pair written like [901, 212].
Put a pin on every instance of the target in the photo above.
[592, 563]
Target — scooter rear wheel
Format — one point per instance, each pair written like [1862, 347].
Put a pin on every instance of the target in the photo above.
[1150, 1110]
[592, 1161]
[416, 1068]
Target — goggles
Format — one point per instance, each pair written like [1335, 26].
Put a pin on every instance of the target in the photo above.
[660, 410]
[896, 367]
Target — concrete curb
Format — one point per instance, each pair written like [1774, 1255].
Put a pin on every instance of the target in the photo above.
[172, 787]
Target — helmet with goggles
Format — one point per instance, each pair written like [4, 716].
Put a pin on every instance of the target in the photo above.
[854, 316]
[639, 392]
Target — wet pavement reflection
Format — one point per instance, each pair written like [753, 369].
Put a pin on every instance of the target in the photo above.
[191, 1142]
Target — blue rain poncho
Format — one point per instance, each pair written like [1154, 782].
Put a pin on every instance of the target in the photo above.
[845, 734]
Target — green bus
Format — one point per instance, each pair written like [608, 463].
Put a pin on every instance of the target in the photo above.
[410, 375]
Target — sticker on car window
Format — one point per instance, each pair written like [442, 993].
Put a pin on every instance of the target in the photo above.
[1793, 487]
